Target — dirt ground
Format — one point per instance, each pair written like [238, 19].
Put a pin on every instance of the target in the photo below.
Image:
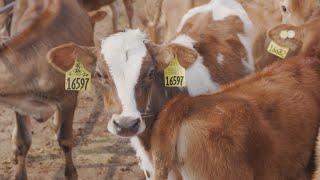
[97, 154]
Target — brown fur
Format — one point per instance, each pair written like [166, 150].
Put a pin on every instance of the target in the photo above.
[298, 11]
[261, 127]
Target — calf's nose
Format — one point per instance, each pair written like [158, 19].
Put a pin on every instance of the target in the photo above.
[126, 126]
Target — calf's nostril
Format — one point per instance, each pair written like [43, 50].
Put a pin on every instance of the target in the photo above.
[135, 124]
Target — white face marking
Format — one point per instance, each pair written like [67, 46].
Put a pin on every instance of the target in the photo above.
[220, 58]
[145, 163]
[124, 53]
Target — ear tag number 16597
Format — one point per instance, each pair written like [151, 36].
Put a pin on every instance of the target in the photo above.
[175, 74]
[78, 78]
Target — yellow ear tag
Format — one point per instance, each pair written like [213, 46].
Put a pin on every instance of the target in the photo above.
[174, 74]
[78, 78]
[277, 50]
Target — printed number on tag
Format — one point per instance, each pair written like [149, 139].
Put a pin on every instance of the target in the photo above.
[277, 50]
[78, 78]
[174, 74]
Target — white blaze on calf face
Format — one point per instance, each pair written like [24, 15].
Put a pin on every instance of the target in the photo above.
[124, 53]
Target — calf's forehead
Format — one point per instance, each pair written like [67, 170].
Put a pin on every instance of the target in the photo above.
[124, 54]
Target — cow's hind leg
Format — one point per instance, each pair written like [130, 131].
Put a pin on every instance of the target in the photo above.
[65, 138]
[21, 142]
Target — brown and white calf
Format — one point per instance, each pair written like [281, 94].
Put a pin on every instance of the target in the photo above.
[213, 46]
[262, 127]
[28, 83]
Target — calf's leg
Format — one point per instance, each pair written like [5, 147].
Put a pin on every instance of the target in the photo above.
[65, 137]
[129, 10]
[21, 139]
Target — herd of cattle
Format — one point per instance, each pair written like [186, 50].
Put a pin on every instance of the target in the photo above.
[244, 112]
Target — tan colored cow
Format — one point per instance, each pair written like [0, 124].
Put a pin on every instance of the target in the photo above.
[29, 85]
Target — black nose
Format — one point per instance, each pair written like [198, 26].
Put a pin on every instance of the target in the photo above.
[127, 125]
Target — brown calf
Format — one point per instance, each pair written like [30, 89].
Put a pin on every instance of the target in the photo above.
[29, 85]
[262, 127]
[307, 43]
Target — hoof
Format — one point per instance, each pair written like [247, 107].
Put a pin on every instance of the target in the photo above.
[21, 176]
[71, 173]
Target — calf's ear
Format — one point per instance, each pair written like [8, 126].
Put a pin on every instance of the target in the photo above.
[288, 36]
[186, 56]
[63, 57]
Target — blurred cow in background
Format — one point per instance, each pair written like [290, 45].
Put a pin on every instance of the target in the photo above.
[93, 5]
[28, 83]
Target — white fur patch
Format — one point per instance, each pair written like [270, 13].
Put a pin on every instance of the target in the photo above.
[220, 58]
[124, 53]
[145, 163]
[184, 40]
[198, 78]
[194, 11]
[249, 61]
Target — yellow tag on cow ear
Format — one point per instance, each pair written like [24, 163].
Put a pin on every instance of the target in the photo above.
[174, 74]
[78, 78]
[278, 50]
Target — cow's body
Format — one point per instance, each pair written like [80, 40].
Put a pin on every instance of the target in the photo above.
[28, 84]
[262, 127]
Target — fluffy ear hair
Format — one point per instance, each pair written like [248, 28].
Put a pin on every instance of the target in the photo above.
[63, 57]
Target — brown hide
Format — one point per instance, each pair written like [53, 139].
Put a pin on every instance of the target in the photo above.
[262, 127]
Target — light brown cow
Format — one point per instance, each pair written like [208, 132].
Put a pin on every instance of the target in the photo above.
[29, 85]
[306, 42]
[92, 5]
